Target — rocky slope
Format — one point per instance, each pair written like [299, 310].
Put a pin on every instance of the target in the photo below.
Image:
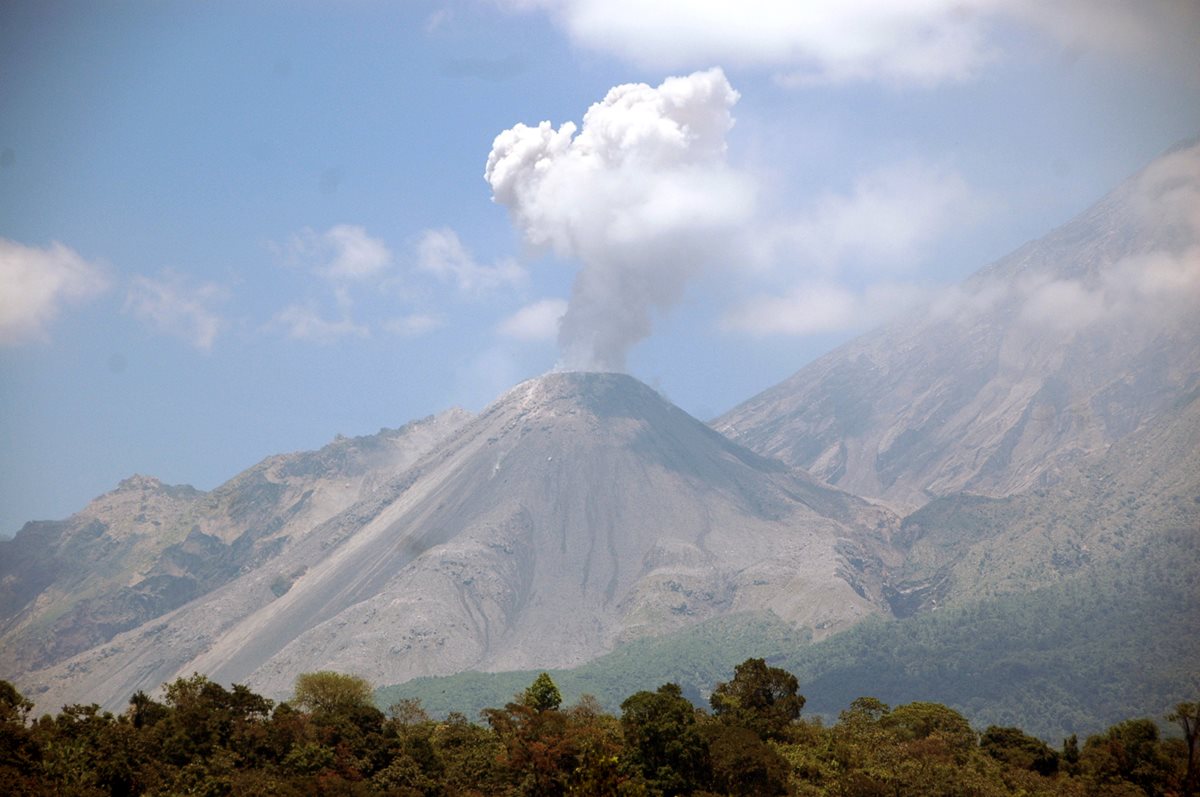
[147, 548]
[578, 511]
[1034, 366]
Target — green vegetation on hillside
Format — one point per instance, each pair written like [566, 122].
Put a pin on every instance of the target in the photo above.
[694, 658]
[1120, 639]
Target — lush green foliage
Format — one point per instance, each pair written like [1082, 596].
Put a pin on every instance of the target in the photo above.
[761, 699]
[208, 740]
[331, 692]
[542, 694]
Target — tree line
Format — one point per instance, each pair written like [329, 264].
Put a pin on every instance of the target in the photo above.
[201, 738]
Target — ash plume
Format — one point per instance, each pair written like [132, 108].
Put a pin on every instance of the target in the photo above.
[640, 195]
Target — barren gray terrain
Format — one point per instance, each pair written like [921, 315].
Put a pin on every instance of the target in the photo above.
[580, 510]
[147, 548]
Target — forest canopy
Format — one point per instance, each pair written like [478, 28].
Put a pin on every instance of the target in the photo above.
[329, 738]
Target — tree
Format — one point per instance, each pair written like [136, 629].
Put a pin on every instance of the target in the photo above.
[1018, 749]
[1188, 717]
[331, 692]
[471, 757]
[542, 694]
[864, 710]
[761, 698]
[743, 765]
[663, 745]
[1128, 751]
[14, 707]
[20, 753]
[921, 720]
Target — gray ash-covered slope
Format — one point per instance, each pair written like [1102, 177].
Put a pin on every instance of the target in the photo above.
[147, 548]
[1033, 367]
[578, 511]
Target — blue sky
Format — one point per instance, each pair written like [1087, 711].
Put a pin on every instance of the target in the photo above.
[229, 230]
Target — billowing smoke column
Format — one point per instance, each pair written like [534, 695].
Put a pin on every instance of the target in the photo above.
[642, 197]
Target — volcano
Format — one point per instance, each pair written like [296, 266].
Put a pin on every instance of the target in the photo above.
[578, 511]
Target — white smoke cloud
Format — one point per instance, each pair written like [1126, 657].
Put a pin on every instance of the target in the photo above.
[534, 322]
[640, 194]
[175, 305]
[35, 284]
[922, 43]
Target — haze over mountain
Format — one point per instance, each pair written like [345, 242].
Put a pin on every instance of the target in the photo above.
[146, 547]
[579, 511]
[1041, 360]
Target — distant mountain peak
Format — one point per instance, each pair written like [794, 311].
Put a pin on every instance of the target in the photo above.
[139, 481]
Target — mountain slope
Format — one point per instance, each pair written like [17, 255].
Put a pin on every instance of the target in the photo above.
[964, 547]
[147, 548]
[576, 512]
[1040, 361]
[1114, 642]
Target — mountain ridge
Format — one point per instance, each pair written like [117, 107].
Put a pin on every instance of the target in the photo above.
[145, 548]
[577, 511]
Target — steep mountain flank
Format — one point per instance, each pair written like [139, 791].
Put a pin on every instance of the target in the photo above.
[967, 547]
[1038, 363]
[147, 548]
[578, 511]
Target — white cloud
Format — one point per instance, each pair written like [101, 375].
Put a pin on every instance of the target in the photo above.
[640, 195]
[1061, 306]
[442, 254]
[883, 225]
[924, 41]
[1153, 290]
[887, 221]
[303, 322]
[356, 255]
[414, 325]
[175, 305]
[485, 375]
[821, 307]
[344, 252]
[347, 259]
[915, 42]
[1162, 31]
[1167, 194]
[534, 322]
[438, 19]
[35, 284]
